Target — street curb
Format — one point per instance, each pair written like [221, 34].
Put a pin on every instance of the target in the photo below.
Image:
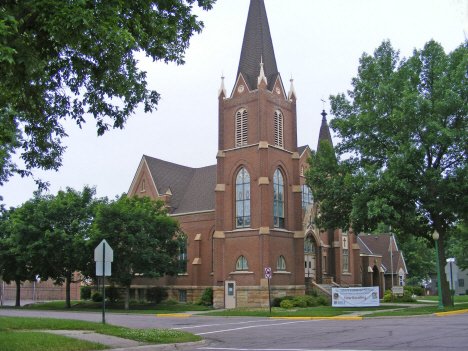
[159, 347]
[441, 314]
[316, 318]
[174, 315]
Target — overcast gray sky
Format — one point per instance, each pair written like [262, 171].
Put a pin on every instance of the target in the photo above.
[317, 42]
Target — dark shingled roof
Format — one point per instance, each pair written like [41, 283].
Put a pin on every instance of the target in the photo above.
[380, 245]
[324, 131]
[192, 188]
[257, 45]
[301, 149]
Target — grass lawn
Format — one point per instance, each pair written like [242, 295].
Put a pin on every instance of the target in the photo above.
[418, 311]
[322, 311]
[458, 299]
[118, 307]
[15, 334]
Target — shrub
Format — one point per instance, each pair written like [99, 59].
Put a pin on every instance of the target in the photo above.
[409, 290]
[207, 296]
[112, 293]
[199, 302]
[96, 296]
[322, 301]
[156, 294]
[286, 304]
[299, 301]
[276, 302]
[311, 301]
[387, 296]
[418, 290]
[85, 292]
[313, 292]
[171, 302]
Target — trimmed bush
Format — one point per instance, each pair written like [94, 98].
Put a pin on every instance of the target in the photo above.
[311, 301]
[156, 294]
[299, 301]
[286, 304]
[112, 293]
[207, 297]
[96, 296]
[418, 290]
[322, 301]
[171, 302]
[85, 292]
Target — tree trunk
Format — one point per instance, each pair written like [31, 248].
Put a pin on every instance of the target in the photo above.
[127, 297]
[446, 295]
[67, 291]
[18, 292]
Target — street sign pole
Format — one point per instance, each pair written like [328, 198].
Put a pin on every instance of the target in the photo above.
[269, 295]
[104, 284]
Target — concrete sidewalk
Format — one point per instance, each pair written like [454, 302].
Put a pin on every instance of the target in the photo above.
[119, 344]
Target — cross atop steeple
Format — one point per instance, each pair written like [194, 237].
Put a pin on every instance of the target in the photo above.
[257, 47]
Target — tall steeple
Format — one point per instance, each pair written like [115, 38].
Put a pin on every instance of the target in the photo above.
[257, 46]
[324, 131]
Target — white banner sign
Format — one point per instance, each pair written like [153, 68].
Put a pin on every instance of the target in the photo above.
[356, 297]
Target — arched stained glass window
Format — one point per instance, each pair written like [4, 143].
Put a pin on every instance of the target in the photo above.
[307, 198]
[281, 265]
[309, 245]
[278, 199]
[243, 199]
[241, 264]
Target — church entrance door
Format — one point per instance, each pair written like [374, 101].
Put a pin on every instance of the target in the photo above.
[229, 294]
[309, 265]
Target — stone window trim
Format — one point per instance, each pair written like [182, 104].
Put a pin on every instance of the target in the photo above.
[281, 272]
[241, 272]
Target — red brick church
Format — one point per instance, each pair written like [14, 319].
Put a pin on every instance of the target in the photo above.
[252, 209]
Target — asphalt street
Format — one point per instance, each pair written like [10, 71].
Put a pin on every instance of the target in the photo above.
[429, 333]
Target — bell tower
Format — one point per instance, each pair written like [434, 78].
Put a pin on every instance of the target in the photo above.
[258, 194]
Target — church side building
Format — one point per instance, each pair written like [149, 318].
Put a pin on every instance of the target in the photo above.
[252, 209]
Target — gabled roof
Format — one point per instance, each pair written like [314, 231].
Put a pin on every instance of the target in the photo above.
[302, 149]
[257, 46]
[192, 188]
[324, 131]
[379, 244]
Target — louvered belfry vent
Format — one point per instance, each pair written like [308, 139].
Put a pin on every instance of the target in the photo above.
[279, 129]
[241, 127]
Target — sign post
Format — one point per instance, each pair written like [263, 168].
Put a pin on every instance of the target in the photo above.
[102, 254]
[268, 276]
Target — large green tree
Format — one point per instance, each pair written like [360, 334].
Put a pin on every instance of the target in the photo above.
[64, 221]
[64, 59]
[145, 240]
[405, 123]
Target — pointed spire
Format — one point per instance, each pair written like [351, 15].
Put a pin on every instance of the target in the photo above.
[262, 77]
[324, 131]
[256, 47]
[222, 89]
[291, 90]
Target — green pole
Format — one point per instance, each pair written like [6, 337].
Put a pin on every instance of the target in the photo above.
[439, 289]
[104, 283]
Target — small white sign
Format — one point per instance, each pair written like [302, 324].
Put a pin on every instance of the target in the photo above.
[99, 269]
[399, 290]
[268, 273]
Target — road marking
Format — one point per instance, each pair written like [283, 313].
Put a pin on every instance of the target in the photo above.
[314, 318]
[253, 326]
[234, 349]
[173, 315]
[214, 325]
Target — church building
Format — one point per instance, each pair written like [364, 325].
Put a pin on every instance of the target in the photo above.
[252, 209]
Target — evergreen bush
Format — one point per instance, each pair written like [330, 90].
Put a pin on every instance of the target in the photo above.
[96, 296]
[322, 301]
[85, 292]
[299, 301]
[286, 304]
[171, 302]
[156, 294]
